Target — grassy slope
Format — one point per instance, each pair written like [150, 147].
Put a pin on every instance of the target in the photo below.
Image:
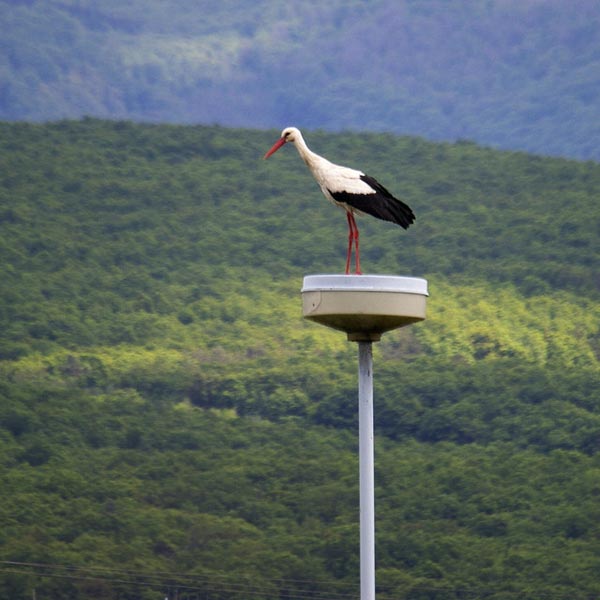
[149, 271]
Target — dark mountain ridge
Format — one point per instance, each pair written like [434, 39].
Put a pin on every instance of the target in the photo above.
[514, 75]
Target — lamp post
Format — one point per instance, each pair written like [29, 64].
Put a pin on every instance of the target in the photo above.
[365, 307]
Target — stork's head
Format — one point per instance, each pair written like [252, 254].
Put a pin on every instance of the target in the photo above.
[289, 134]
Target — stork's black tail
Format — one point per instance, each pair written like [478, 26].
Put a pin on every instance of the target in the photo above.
[383, 205]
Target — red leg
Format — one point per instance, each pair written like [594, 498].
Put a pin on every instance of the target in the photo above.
[355, 236]
[350, 240]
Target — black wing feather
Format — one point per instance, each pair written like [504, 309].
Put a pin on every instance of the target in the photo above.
[380, 204]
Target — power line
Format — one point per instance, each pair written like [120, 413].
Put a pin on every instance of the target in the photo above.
[268, 588]
[211, 576]
[203, 585]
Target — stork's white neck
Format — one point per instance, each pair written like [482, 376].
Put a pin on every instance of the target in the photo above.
[308, 156]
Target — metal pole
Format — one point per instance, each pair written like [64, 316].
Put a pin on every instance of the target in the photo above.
[367, 468]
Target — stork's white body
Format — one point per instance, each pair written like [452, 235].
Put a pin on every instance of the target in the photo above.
[331, 178]
[350, 189]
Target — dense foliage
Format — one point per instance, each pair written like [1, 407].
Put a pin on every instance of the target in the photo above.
[170, 425]
[519, 75]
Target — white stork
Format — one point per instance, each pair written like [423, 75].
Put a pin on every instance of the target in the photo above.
[352, 190]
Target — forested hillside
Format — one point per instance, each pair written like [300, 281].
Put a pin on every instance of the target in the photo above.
[517, 75]
[170, 425]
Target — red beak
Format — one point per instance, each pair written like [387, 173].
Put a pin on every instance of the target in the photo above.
[280, 142]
